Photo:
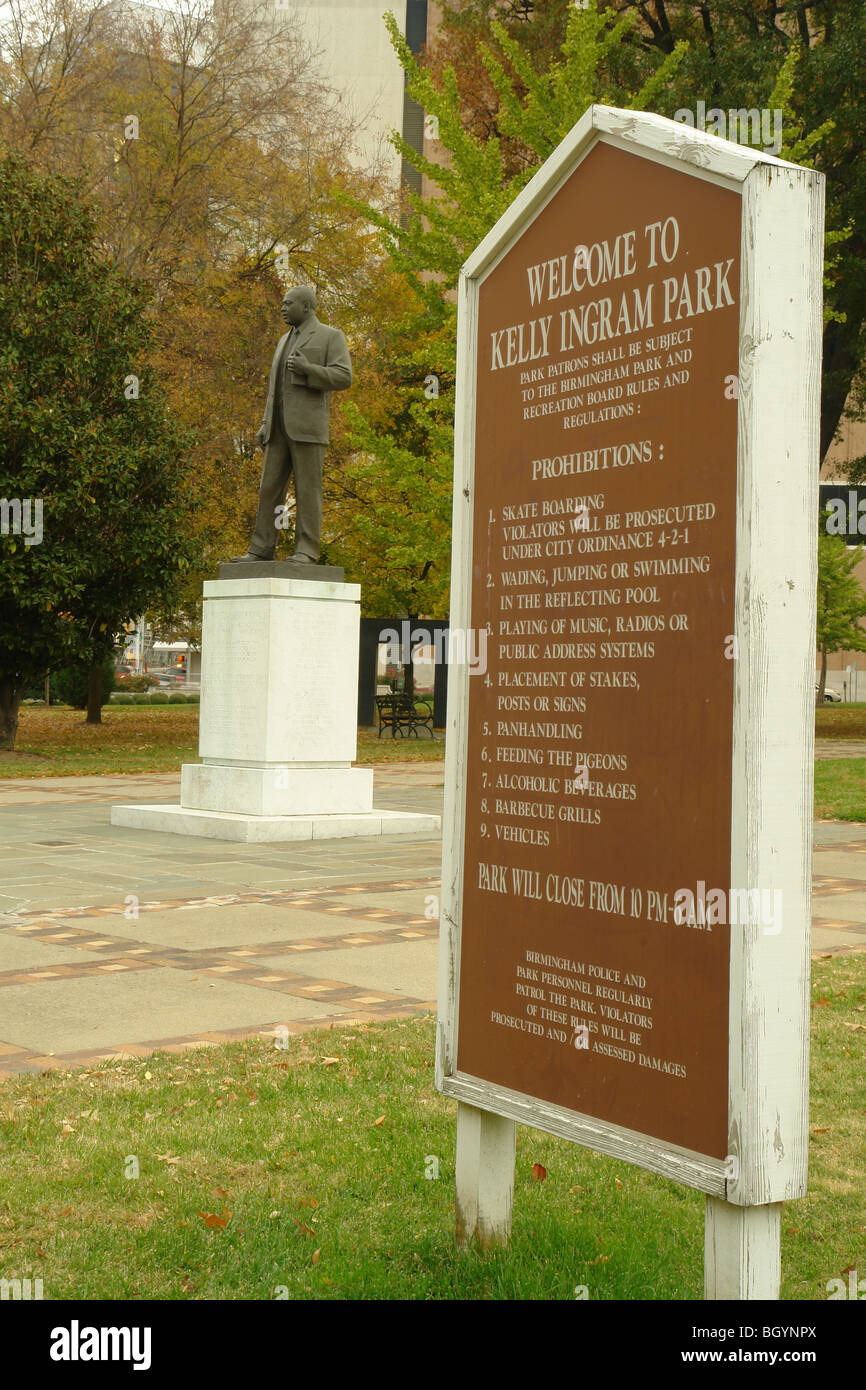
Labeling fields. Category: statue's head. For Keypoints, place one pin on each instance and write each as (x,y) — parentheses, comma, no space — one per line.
(298,304)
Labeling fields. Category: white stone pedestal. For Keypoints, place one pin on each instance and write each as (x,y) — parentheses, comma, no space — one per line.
(278,721)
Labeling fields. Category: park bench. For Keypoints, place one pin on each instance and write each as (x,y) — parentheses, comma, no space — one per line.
(403,714)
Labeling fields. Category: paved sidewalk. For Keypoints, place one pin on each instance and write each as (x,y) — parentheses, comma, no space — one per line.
(117,941)
(840,748)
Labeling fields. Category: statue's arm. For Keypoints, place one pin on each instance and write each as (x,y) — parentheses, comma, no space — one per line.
(336,374)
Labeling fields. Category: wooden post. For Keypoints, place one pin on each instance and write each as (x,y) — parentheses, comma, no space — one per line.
(742,1251)
(484,1176)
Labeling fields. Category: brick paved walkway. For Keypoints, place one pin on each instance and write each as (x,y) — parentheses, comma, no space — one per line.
(118,941)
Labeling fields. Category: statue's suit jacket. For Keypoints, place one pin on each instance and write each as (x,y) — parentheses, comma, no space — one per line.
(307,409)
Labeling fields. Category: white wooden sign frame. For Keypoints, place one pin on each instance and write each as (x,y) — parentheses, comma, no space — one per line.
(771,816)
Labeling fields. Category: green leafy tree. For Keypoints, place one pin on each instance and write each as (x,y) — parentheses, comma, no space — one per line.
(538,79)
(803,59)
(395,512)
(841,602)
(89,446)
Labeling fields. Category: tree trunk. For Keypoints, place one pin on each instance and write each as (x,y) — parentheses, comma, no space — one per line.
(94,695)
(823,681)
(10,701)
(48,687)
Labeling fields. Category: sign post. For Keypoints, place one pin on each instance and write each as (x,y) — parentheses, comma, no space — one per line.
(626,869)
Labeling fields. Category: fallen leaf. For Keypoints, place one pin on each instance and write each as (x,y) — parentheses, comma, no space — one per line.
(215,1223)
(273,1215)
(823,1001)
(576,1188)
(316,1254)
(539,1172)
(148,1076)
(186,1284)
(67,1129)
(331,1061)
(307,1230)
(307,1202)
(167,1158)
(825,1130)
(618,1182)
(380,1121)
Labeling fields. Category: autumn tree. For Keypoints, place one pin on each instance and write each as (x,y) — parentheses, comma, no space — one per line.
(216,153)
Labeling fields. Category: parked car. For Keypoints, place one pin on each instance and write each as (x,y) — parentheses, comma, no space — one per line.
(831,696)
(167,678)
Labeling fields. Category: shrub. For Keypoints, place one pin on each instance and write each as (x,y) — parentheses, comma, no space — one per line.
(122,700)
(131,684)
(177,699)
(70,684)
(158,699)
(36,691)
(139,699)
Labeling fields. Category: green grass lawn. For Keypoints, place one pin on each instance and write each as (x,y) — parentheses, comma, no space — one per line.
(56,742)
(840,789)
(304,1173)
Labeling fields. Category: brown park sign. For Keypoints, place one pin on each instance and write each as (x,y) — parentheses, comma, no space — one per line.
(624,886)
(599,772)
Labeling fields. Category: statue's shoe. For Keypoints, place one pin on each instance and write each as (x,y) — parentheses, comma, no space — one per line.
(244,559)
(303,559)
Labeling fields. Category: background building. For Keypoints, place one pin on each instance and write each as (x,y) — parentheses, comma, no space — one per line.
(356,59)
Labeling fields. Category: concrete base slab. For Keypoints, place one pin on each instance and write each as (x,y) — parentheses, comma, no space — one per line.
(281,569)
(224,825)
(277,791)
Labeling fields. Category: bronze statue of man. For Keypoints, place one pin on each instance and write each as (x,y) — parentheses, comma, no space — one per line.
(310,362)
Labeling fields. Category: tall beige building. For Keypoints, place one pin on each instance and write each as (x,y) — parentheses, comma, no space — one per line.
(355,57)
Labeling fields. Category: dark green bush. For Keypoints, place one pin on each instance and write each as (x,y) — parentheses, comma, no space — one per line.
(158,699)
(122,700)
(70,683)
(36,691)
